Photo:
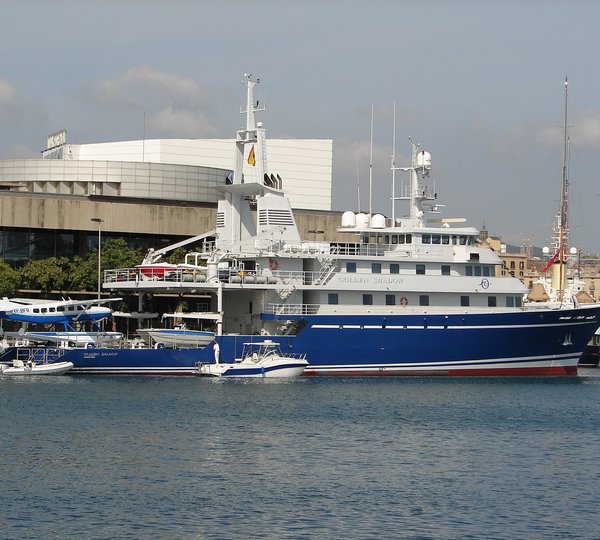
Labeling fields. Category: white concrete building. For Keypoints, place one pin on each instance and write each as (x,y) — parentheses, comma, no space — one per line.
(172,169)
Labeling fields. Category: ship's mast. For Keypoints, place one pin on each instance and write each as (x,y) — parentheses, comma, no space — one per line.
(564,206)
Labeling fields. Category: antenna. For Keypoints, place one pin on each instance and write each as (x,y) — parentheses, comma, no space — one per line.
(371,169)
(357,179)
(394,168)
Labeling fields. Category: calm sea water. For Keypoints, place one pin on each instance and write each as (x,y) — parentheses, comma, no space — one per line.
(129,457)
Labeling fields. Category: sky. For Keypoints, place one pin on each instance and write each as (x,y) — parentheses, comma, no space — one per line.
(477,83)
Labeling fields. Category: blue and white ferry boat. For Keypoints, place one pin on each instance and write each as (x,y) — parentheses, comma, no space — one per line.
(416,295)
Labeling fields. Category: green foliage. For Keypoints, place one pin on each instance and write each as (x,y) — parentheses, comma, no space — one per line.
(115,254)
(45,274)
(9,279)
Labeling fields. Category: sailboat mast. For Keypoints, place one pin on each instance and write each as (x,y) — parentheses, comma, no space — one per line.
(564,206)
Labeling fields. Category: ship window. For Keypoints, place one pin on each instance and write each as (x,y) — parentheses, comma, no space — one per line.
(367,299)
(36,310)
(401,239)
(408,239)
(477,270)
(426,239)
(394,238)
(454,240)
(52,310)
(332,298)
(394,268)
(464,301)
(390,299)
(486,271)
(424,300)
(491,301)
(510,301)
(445,269)
(462,240)
(420,269)
(351,267)
(469,270)
(60,308)
(376,268)
(372,239)
(445,239)
(44,310)
(436,238)
(518,301)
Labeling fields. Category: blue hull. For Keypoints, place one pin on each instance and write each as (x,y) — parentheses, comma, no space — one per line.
(548,342)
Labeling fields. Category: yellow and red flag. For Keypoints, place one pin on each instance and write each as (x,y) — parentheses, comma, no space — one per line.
(252,157)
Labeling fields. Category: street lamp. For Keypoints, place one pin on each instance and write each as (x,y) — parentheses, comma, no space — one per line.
(99,222)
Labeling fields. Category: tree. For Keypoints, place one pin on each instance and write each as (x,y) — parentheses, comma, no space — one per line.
(9,279)
(45,274)
(115,254)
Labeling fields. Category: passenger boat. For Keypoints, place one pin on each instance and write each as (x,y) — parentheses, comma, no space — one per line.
(259,360)
(414,295)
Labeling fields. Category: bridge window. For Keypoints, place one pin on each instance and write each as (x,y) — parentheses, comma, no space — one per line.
(426,239)
(436,238)
(445,239)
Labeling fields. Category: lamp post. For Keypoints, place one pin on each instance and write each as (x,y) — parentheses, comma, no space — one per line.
(99,222)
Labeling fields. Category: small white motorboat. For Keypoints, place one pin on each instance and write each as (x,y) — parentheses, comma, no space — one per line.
(259,359)
(20,368)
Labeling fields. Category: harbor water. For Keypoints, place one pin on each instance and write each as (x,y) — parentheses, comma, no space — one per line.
(135,457)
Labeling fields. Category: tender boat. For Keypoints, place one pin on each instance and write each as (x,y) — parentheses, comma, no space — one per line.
(259,359)
(180,337)
(20,368)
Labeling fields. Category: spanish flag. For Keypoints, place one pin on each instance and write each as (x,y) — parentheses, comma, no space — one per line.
(251,157)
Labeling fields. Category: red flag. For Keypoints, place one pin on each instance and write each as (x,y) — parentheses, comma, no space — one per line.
(550,262)
(251,157)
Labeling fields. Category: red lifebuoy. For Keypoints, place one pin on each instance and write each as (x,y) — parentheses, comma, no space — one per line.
(273,264)
(404,301)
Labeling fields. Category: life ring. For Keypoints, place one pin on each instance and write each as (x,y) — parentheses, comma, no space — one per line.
(273,264)
(404,301)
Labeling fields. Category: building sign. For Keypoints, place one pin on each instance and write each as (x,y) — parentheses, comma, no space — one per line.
(57,139)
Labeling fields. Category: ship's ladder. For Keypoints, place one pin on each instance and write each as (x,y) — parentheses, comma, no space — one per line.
(328,267)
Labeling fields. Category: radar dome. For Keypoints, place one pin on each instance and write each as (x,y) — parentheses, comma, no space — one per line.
(362,220)
(424,159)
(349,219)
(573,251)
(378,221)
(546,250)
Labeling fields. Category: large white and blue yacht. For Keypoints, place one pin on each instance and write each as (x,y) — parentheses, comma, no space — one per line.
(415,295)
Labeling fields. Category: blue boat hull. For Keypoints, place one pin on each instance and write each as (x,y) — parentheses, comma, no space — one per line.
(548,342)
